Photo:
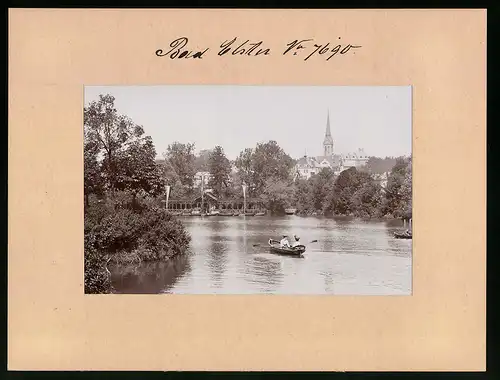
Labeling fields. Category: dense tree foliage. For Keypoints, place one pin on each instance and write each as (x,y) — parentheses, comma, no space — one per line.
(277,195)
(201,160)
(270,162)
(180,159)
(219,168)
(245,166)
(121,181)
(355,192)
(377,165)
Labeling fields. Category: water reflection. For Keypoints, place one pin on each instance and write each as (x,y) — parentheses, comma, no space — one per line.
(217,253)
(263,271)
(231,256)
(152,278)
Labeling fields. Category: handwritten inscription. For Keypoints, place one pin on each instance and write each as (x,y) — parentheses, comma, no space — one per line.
(303,48)
(246,48)
(332,50)
(177,50)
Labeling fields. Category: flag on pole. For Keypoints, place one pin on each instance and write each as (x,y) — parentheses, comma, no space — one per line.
(168,194)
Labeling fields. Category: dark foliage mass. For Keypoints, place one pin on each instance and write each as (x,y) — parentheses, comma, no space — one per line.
(122,181)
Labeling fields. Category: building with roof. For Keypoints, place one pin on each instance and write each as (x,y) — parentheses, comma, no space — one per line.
(307,166)
(355,159)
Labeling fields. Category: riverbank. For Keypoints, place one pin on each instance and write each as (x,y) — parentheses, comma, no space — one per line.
(125,230)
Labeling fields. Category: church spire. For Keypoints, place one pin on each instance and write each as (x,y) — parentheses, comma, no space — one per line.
(328,132)
(328,141)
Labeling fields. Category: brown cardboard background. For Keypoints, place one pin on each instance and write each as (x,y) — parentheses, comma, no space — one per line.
(53,325)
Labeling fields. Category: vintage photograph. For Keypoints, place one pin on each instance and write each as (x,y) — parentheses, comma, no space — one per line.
(248,190)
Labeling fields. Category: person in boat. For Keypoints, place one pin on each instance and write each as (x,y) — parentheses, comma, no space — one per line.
(284,242)
(296,242)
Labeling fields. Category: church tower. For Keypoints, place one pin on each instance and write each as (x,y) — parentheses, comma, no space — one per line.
(328,141)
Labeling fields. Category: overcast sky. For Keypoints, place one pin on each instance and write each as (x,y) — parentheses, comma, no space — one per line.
(377,119)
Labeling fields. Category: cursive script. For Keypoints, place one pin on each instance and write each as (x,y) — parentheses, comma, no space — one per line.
(177,50)
(245,48)
(303,48)
(308,45)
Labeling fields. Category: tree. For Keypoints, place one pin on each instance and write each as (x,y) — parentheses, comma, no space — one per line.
(377,165)
(110,132)
(322,186)
(398,191)
(276,195)
(138,170)
(406,191)
(220,170)
(270,161)
(201,160)
(348,183)
(180,158)
(303,196)
(93,181)
(244,164)
(366,201)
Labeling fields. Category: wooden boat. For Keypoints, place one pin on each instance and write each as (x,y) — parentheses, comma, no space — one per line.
(249,213)
(275,247)
(175,213)
(196,212)
(186,213)
(226,213)
(213,213)
(236,213)
(290,211)
(260,213)
(402,235)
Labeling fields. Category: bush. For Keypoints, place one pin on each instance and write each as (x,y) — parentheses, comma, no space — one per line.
(125,231)
(152,234)
(96,276)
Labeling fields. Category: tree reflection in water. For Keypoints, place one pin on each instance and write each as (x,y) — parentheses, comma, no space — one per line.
(217,253)
(150,277)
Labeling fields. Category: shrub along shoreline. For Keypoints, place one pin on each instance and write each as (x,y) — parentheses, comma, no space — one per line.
(121,230)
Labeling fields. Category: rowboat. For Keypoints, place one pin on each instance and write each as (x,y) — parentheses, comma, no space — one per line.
(290,211)
(402,235)
(226,213)
(196,212)
(249,213)
(275,247)
(213,213)
(186,213)
(260,213)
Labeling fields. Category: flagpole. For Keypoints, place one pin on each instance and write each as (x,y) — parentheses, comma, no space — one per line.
(167,187)
(167,193)
(202,192)
(244,198)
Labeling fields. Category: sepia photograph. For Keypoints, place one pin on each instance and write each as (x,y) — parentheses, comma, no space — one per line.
(215,189)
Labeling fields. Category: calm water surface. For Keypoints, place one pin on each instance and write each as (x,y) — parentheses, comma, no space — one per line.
(229,255)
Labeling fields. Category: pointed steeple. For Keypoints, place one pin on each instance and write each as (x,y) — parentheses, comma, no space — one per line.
(328,131)
(328,141)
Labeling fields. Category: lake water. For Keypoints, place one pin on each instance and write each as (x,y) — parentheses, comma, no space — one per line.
(229,255)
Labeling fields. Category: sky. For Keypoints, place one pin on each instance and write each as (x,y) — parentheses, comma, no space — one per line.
(375,118)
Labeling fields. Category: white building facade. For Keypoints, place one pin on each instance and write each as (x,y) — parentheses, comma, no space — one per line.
(307,166)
